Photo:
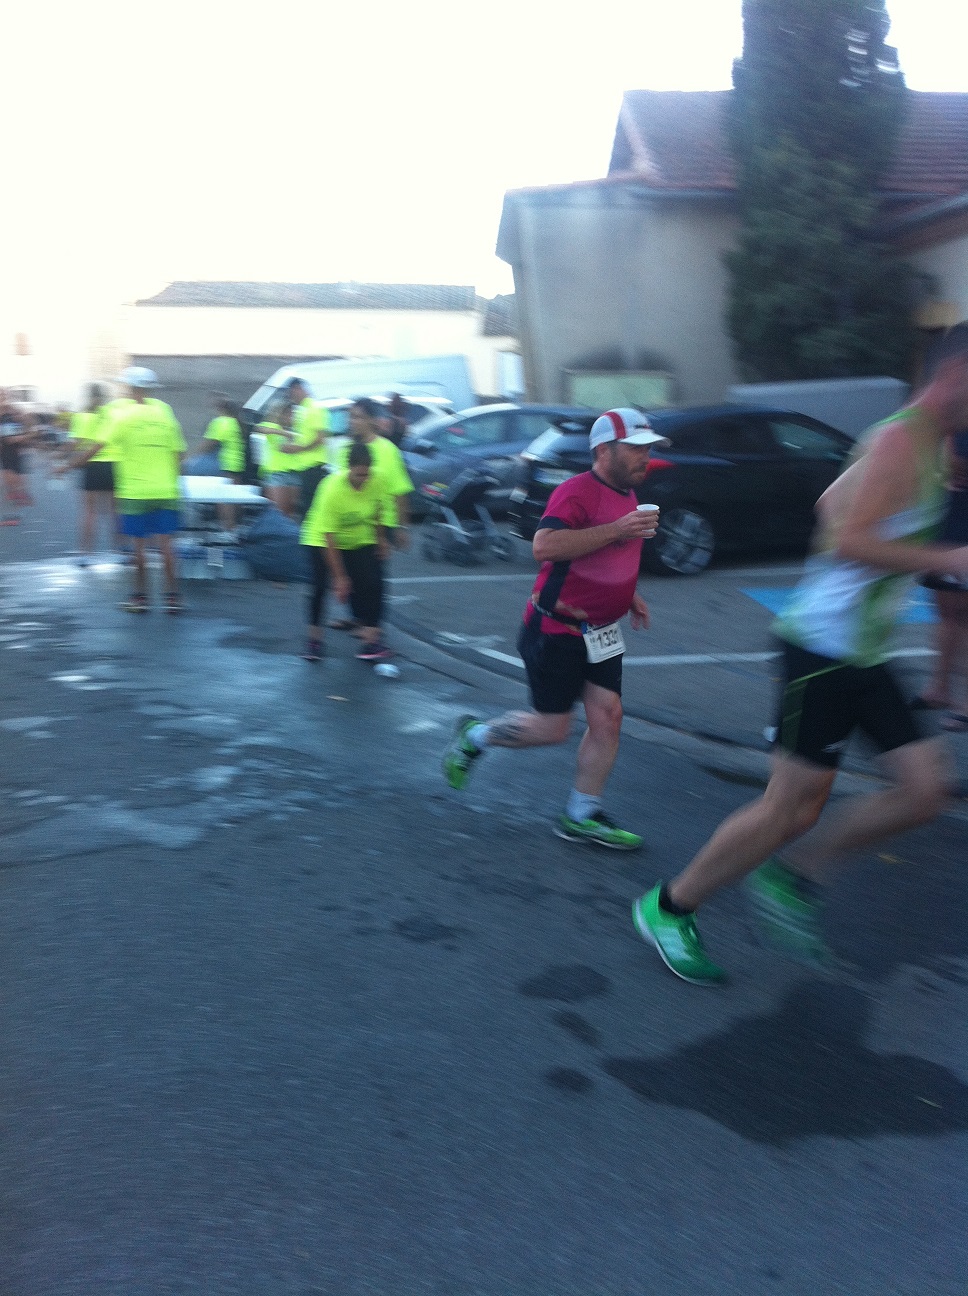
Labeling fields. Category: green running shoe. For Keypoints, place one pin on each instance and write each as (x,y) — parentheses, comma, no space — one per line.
(677,940)
(788,913)
(460,756)
(597,828)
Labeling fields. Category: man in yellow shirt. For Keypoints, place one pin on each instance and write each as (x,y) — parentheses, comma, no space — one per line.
(310,425)
(147,443)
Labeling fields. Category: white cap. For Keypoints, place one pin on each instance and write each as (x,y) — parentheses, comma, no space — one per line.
(136,376)
(628,425)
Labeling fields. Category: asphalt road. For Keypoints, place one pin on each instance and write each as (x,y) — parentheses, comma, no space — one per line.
(284,1014)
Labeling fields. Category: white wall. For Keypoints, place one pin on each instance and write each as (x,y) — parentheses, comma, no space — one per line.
(949,265)
(618,282)
(199,330)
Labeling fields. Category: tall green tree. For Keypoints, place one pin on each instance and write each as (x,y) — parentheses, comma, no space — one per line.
(816,111)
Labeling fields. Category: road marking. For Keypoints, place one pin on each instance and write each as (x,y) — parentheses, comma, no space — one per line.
(698,659)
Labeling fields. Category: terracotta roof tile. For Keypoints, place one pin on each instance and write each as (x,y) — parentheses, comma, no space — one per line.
(674,139)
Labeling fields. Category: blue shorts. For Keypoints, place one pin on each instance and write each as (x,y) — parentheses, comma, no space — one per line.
(156,522)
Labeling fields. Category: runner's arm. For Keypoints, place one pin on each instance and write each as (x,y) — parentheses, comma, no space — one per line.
(91,448)
(562,543)
(872,490)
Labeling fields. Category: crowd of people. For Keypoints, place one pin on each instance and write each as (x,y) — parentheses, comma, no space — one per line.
(877,529)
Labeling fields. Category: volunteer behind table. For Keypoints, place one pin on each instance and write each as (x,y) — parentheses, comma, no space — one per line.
(224,437)
(345,531)
(280,479)
(310,424)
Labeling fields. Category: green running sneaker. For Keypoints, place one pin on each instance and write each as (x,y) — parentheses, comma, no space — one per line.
(677,940)
(597,828)
(788,912)
(460,756)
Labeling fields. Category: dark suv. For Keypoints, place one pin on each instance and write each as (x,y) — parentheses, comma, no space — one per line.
(735,477)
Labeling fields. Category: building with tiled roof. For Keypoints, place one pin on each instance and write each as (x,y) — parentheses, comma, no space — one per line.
(200,335)
(227,294)
(626,272)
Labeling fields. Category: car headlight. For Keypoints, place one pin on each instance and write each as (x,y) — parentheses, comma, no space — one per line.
(552,476)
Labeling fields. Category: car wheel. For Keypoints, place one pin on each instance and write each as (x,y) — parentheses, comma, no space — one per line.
(430,548)
(502,548)
(683,546)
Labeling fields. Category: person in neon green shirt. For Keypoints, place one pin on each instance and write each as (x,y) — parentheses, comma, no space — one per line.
(310,424)
(147,443)
(97,481)
(280,481)
(364,418)
(345,534)
(224,437)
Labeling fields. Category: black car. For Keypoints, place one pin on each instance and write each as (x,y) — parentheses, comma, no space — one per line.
(736,477)
(488,437)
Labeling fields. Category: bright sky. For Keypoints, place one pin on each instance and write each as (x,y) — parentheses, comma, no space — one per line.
(207,139)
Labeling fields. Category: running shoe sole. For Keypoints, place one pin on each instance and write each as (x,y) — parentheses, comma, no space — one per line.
(565,835)
(645,931)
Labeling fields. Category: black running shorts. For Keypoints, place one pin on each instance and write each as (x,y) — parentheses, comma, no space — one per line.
(823,700)
(99,477)
(558,669)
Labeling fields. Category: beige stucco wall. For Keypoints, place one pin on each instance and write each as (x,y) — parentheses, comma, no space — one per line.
(624,282)
(199,330)
(948,263)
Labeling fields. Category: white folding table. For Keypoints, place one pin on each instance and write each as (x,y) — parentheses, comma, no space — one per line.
(199,491)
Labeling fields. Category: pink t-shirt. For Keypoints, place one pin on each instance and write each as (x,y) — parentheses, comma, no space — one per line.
(602,584)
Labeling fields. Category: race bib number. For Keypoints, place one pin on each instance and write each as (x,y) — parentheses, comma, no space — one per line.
(604,642)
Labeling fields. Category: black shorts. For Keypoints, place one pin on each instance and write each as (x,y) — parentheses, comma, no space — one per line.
(10,458)
(823,700)
(558,668)
(365,570)
(98,477)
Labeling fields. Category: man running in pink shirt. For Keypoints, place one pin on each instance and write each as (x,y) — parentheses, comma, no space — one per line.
(589,544)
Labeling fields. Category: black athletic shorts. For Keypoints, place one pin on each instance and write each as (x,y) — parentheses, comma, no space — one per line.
(558,668)
(823,700)
(99,476)
(10,458)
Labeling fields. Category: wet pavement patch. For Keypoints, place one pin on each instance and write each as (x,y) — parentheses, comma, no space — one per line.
(577,1026)
(567,1080)
(568,984)
(423,929)
(802,1071)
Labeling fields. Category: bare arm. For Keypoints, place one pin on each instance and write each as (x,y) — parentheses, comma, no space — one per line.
(553,545)
(91,448)
(874,488)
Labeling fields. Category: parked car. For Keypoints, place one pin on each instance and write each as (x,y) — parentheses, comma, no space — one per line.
(737,477)
(486,436)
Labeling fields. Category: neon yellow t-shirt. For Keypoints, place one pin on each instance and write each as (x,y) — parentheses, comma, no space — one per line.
(146,441)
(387,461)
(351,515)
(273,461)
(308,420)
(94,425)
(226,431)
